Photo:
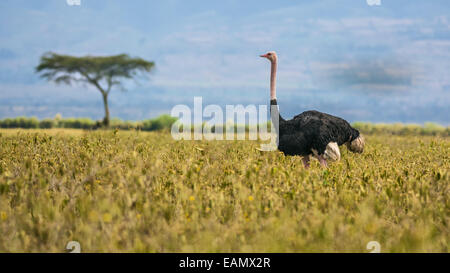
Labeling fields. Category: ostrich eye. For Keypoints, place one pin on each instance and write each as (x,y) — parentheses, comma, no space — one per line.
(269,54)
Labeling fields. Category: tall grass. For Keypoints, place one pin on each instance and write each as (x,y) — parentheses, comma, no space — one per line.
(132,191)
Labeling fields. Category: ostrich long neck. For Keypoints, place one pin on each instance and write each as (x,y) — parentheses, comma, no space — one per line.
(273,80)
(273,91)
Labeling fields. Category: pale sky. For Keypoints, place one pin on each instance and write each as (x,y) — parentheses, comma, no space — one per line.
(387,63)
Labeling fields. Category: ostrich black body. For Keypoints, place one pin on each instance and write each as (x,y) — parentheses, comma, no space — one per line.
(311,130)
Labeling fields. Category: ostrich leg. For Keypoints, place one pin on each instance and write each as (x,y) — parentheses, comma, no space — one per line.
(305,160)
(322,161)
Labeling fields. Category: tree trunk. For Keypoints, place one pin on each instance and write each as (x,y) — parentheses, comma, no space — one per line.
(105,103)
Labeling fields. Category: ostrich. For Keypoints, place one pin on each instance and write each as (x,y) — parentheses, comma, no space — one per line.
(312,132)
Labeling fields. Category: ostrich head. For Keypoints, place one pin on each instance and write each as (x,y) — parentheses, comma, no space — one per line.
(271,56)
(356,145)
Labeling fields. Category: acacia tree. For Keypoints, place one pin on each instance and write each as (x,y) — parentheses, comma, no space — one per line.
(102,72)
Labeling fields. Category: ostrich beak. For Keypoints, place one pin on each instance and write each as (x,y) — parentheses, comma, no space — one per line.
(263,56)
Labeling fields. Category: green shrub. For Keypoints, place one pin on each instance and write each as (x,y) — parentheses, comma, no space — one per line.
(20,122)
(165,122)
(159,123)
(47,123)
(77,123)
(428,128)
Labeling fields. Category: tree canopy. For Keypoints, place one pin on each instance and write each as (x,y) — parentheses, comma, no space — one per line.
(104,72)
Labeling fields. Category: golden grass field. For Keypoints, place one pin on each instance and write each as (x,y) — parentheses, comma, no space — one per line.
(130,191)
